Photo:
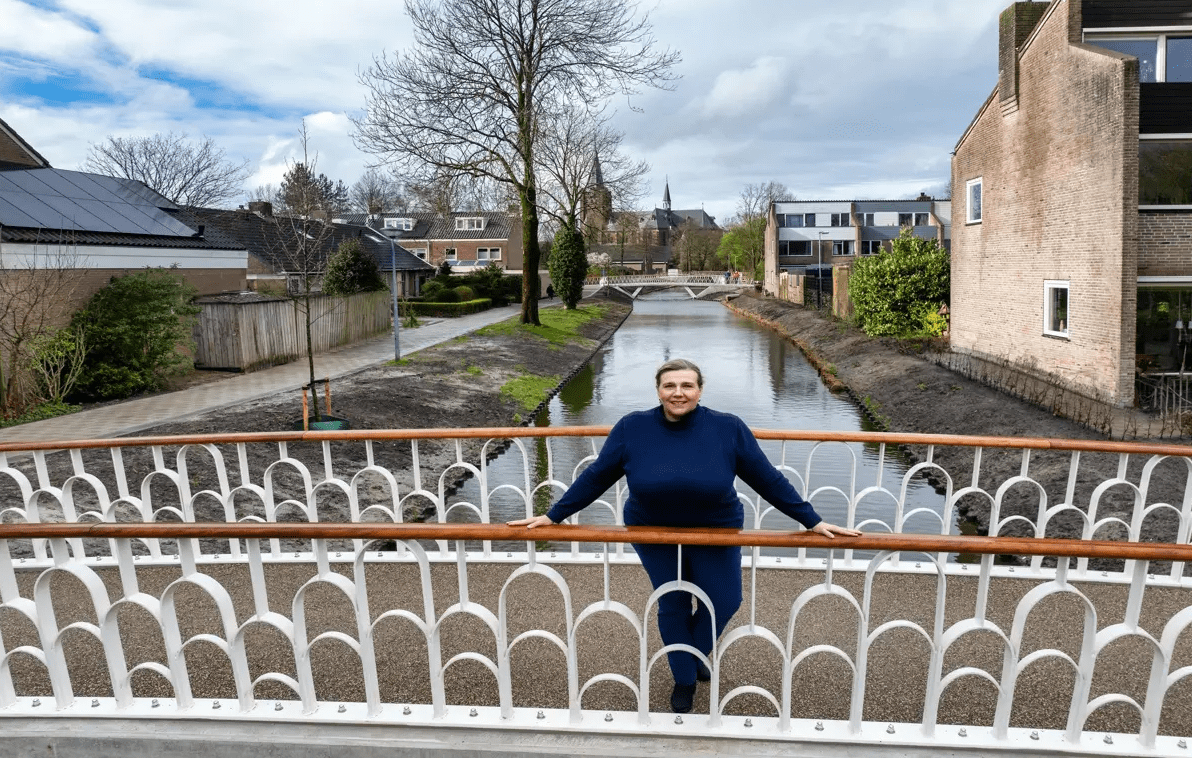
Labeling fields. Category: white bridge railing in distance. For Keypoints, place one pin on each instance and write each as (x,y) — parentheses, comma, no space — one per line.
(256,619)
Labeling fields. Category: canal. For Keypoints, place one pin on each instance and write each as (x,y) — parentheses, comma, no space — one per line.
(748,370)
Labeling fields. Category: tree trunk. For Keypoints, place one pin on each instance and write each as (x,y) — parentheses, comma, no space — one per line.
(310,352)
(528,194)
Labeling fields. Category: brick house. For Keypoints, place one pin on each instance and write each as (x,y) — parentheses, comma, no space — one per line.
(268,240)
(1072,212)
(464,239)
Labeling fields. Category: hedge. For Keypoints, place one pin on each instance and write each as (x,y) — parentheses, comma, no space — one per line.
(446,310)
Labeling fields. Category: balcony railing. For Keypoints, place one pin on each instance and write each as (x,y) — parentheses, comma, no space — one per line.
(270,613)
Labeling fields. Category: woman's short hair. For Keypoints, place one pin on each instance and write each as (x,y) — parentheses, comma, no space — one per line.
(678,364)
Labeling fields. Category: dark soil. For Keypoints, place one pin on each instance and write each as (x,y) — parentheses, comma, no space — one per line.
(903,392)
(455,384)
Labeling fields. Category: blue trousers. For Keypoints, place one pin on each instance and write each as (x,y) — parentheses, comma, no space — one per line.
(715,570)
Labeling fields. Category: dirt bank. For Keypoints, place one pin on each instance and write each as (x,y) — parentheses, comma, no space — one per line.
(456,384)
(902,392)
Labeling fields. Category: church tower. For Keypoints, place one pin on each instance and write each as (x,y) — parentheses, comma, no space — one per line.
(666,202)
(597,205)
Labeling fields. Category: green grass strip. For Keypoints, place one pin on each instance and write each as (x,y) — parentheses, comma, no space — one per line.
(530,390)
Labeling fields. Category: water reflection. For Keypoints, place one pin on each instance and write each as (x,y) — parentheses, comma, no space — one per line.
(748,370)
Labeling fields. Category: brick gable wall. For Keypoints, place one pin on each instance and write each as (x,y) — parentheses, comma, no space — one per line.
(1060,197)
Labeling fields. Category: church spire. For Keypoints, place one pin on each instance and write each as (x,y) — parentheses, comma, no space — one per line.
(597,174)
(666,201)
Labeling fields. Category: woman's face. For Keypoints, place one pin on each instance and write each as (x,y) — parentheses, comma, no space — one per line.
(679,393)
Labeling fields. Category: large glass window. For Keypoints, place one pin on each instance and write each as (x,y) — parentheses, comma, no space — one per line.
(1164,172)
(840,219)
(794,220)
(1164,330)
(842,247)
(1145,50)
(809,219)
(920,219)
(1179,59)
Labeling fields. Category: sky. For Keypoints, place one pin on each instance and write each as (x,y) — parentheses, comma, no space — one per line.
(851,99)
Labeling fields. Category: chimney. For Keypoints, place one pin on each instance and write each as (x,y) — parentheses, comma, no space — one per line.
(199,233)
(1015,25)
(261,207)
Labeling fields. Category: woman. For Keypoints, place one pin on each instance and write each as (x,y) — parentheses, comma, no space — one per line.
(681,461)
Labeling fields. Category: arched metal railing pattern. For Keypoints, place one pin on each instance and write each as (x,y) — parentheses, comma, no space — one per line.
(92,545)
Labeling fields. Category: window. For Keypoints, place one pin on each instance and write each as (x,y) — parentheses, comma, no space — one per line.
(405,224)
(469,224)
(921,219)
(449,254)
(809,219)
(1055,308)
(840,219)
(972,196)
(869,219)
(1164,172)
(1161,57)
(906,219)
(794,220)
(794,247)
(419,251)
(488,253)
(871,247)
(842,247)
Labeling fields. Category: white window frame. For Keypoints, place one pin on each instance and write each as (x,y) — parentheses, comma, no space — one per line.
(419,252)
(488,253)
(969,218)
(404,224)
(1050,286)
(469,223)
(451,254)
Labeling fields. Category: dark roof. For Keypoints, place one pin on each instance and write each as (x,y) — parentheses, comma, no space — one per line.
(54,206)
(266,237)
(432,226)
(661,218)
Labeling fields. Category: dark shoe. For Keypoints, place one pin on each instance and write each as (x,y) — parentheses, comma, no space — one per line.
(701,672)
(682,697)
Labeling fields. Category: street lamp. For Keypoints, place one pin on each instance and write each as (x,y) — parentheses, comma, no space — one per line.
(393,289)
(819,273)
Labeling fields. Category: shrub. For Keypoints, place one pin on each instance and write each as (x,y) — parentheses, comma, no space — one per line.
(568,266)
(465,293)
(447,310)
(350,271)
(133,329)
(445,296)
(898,293)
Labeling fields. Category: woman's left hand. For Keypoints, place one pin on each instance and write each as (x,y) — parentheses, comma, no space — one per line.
(831,530)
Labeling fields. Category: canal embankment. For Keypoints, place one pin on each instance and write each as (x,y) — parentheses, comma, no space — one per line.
(902,391)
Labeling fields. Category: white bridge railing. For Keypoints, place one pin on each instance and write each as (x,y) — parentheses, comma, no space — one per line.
(678,279)
(295,590)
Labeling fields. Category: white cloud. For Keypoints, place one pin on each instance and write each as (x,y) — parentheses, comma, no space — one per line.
(42,34)
(737,92)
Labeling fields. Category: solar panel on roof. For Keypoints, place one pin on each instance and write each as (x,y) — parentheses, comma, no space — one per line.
(10,211)
(74,201)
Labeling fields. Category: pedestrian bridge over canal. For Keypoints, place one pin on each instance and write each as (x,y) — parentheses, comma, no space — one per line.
(697,286)
(243,595)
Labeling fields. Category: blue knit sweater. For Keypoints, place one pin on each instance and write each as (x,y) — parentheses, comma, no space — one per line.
(682,473)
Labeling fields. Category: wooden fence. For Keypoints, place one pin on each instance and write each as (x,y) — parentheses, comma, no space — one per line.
(249,336)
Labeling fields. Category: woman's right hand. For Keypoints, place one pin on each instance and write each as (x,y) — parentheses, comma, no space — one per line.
(530,523)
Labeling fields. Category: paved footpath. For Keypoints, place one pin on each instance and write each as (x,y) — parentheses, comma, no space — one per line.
(131,416)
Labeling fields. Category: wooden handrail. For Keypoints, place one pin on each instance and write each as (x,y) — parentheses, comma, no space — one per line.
(794,435)
(921,543)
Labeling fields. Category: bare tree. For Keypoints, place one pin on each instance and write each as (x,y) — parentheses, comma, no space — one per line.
(302,243)
(264,193)
(470,97)
(756,199)
(187,173)
(576,144)
(38,292)
(696,247)
(376,192)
